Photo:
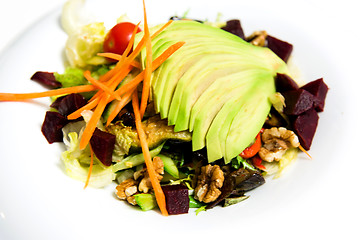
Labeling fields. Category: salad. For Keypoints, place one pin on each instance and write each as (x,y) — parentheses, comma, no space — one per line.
(184,114)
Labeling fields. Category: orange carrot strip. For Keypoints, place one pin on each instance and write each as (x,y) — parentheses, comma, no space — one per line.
(89,106)
(157,62)
(159,194)
(120,105)
(148,66)
(130,85)
(91,125)
(50,93)
(303,150)
(90,167)
(100,85)
(118,57)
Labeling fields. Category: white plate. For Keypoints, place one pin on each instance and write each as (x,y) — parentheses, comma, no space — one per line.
(315,198)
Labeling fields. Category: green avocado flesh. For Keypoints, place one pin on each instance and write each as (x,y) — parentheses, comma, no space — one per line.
(217,86)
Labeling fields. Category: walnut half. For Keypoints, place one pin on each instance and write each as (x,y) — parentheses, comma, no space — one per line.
(275,143)
(126,190)
(209,183)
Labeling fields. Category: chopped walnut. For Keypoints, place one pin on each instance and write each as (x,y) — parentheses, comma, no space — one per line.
(258,38)
(145,183)
(275,143)
(126,190)
(209,182)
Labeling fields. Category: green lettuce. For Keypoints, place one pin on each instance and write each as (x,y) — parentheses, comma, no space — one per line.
(83,45)
(77,162)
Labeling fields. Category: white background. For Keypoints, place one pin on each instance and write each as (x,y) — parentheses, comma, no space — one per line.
(333,209)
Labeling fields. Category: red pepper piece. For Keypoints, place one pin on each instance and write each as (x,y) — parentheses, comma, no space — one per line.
(253,149)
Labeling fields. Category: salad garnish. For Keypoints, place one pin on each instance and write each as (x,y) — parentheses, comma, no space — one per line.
(185,114)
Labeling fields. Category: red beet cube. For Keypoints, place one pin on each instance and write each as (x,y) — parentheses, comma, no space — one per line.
(234,27)
(319,89)
(52,126)
(177,199)
(280,48)
(285,83)
(297,101)
(103,143)
(305,126)
(69,103)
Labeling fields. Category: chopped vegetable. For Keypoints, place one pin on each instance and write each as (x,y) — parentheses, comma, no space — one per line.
(159,194)
(253,149)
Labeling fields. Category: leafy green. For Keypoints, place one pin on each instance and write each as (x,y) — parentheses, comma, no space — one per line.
(238,161)
(83,45)
(77,161)
(200,209)
(71,77)
(135,159)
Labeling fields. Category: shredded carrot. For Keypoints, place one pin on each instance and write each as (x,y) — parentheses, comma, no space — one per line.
(118,57)
(156,63)
(148,66)
(50,93)
(120,105)
(91,125)
(130,85)
(92,104)
(90,167)
(304,151)
(159,194)
(100,85)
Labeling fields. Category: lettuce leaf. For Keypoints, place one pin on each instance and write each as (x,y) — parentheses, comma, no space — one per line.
(77,162)
(82,46)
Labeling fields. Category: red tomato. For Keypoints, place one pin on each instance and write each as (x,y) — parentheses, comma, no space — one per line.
(118,37)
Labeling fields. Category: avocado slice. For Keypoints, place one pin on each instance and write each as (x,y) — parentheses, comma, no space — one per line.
(194,88)
(211,101)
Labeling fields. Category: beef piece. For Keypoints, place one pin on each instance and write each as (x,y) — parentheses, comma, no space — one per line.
(304,126)
(279,47)
(297,101)
(319,89)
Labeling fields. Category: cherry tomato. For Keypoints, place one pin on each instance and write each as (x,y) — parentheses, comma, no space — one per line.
(118,37)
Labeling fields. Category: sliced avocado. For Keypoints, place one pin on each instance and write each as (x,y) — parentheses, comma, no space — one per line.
(212,100)
(208,55)
(219,128)
(256,108)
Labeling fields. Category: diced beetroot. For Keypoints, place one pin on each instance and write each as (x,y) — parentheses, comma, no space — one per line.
(280,48)
(52,126)
(305,126)
(285,83)
(69,103)
(297,101)
(319,89)
(103,143)
(177,199)
(234,27)
(46,79)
